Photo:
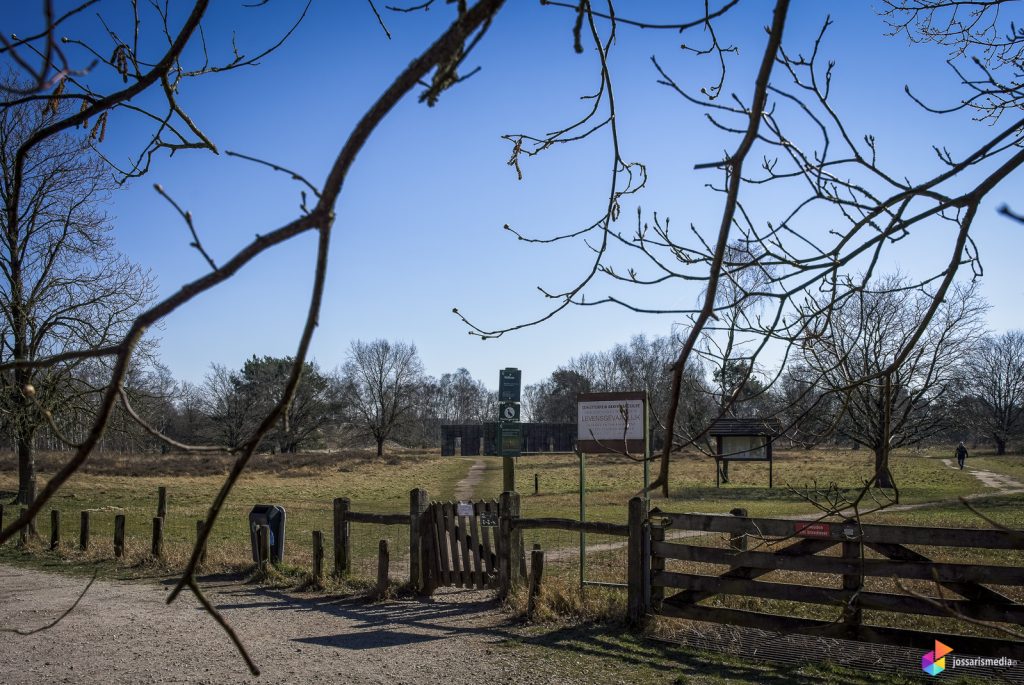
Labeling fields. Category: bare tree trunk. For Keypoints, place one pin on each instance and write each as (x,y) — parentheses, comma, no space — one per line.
(882,480)
(1000,445)
(26,472)
(380,447)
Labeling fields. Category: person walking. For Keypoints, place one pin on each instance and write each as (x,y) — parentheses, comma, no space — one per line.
(961,454)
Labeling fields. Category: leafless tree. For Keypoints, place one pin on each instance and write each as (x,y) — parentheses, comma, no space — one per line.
(381,383)
(833,208)
(54,76)
(909,401)
(64,288)
(996,385)
(783,117)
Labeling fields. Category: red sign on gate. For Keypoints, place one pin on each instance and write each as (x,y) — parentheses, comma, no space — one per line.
(813,530)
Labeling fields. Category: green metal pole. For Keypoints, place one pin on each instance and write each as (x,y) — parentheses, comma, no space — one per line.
(583,517)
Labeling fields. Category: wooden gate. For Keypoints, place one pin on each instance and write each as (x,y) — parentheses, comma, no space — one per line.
(462,544)
(876,552)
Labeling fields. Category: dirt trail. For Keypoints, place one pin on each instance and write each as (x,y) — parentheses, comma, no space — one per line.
(125,633)
(465,489)
(990,478)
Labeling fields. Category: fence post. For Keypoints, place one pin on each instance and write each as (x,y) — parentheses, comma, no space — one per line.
(54,528)
(263,546)
(199,534)
(318,555)
(852,613)
(417,557)
(383,560)
(517,552)
(505,544)
(342,558)
(638,587)
(657,566)
(119,535)
(161,502)
(83,531)
(738,541)
(536,573)
(158,537)
(536,484)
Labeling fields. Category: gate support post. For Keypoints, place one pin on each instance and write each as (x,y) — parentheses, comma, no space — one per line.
(852,583)
(418,562)
(509,543)
(638,573)
(342,558)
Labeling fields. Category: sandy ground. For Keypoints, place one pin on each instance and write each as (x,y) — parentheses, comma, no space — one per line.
(126,633)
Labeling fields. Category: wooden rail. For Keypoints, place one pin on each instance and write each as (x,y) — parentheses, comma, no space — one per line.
(801,542)
(597,527)
(381,519)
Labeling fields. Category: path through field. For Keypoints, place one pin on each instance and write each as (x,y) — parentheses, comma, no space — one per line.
(465,489)
(991,479)
(124,632)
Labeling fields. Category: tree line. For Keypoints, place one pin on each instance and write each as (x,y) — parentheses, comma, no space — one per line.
(380,394)
(963,383)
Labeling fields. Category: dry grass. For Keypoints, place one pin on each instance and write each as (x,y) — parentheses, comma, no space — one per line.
(561,598)
(373,485)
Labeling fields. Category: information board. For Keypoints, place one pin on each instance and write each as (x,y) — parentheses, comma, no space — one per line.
(610,422)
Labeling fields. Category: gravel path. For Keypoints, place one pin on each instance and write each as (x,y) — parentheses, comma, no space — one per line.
(125,633)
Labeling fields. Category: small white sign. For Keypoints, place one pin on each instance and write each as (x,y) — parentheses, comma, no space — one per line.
(604,420)
(464,509)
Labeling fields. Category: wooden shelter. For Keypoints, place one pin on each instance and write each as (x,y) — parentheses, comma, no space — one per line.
(743,440)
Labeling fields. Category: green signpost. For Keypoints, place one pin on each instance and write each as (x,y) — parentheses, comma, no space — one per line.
(510,435)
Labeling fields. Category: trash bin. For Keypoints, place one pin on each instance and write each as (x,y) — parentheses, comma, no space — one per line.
(271,515)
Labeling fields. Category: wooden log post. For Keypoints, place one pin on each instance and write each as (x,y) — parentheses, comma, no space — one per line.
(517,550)
(54,528)
(318,555)
(536,483)
(657,566)
(157,548)
(23,533)
(418,502)
(200,524)
(119,535)
(638,586)
(383,562)
(536,574)
(342,550)
(161,502)
(738,541)
(83,531)
(263,547)
(505,544)
(852,583)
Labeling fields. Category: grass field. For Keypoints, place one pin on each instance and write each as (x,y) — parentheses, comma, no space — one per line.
(373,485)
(307,484)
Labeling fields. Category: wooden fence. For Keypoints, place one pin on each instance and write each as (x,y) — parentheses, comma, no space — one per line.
(865,552)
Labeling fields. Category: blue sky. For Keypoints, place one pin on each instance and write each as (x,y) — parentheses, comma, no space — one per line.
(419,222)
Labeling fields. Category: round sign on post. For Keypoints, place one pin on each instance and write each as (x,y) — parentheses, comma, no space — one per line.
(509,411)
